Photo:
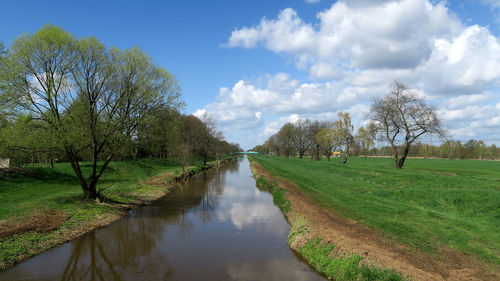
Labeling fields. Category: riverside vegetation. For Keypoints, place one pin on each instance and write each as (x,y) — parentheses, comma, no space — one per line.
(317,253)
(429,205)
(43,207)
(82,128)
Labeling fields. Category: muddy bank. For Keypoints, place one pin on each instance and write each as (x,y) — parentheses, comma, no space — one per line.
(309,221)
(59,228)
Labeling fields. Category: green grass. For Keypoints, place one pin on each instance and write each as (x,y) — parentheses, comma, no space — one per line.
(279,194)
(346,268)
(427,204)
(58,189)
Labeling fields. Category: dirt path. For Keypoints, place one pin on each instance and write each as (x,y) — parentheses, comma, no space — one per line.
(353,238)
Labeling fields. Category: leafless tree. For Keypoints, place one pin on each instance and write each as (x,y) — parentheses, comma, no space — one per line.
(274,144)
(402,116)
(208,135)
(285,139)
(302,139)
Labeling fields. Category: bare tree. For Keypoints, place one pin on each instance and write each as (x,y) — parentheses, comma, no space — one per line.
(274,144)
(208,135)
(285,139)
(302,139)
(402,117)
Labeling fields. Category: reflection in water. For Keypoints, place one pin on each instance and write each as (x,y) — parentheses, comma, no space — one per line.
(266,270)
(218,226)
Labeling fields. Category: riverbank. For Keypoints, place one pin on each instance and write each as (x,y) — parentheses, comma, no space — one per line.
(353,240)
(43,208)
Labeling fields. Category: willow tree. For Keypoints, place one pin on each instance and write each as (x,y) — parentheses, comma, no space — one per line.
(401,117)
(93,98)
(344,129)
(329,139)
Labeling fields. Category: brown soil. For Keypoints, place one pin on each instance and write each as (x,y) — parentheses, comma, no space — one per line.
(41,221)
(161,180)
(350,237)
(6,173)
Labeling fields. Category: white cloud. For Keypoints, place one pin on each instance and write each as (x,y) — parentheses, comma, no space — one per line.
(312,1)
(396,34)
(411,40)
(354,51)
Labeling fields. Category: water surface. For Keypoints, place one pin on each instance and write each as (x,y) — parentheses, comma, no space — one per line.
(218,226)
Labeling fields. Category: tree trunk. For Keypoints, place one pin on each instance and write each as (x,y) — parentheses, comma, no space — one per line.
(346,155)
(87,193)
(205,155)
(396,161)
(400,163)
(51,159)
(317,153)
(92,190)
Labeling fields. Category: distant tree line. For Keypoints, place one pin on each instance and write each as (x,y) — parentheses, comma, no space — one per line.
(397,119)
(74,100)
(364,145)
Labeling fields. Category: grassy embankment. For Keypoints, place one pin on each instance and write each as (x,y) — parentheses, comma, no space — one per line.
(426,205)
(317,253)
(43,207)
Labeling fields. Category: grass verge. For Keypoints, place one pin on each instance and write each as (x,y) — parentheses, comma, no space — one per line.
(349,268)
(427,205)
(321,256)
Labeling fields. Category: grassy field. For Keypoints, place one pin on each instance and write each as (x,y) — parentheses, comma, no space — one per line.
(41,196)
(427,204)
(59,189)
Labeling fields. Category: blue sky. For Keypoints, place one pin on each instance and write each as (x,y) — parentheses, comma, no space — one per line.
(228,55)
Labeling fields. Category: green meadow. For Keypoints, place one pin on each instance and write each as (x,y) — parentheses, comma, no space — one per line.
(427,204)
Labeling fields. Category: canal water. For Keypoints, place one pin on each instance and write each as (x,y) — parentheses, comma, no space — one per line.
(218,226)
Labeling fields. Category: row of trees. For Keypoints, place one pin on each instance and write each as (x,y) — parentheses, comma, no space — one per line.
(450,149)
(399,119)
(316,137)
(75,99)
(365,146)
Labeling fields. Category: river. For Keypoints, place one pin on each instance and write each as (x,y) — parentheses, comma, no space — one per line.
(217,226)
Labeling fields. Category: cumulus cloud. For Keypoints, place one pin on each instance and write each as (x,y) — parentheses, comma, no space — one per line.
(410,40)
(368,34)
(353,52)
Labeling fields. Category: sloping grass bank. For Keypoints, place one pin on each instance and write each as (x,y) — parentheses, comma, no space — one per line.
(318,254)
(428,204)
(43,207)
